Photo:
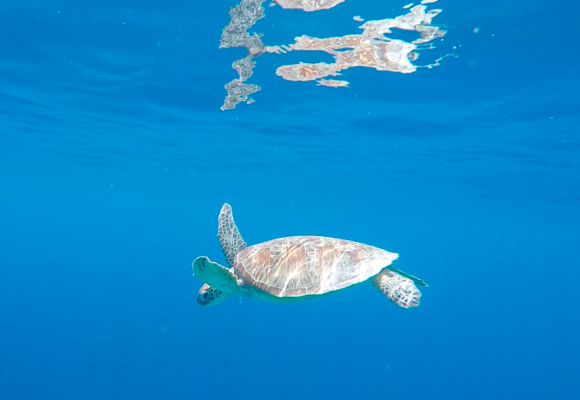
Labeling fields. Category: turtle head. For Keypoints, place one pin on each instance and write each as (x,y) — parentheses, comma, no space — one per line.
(218,281)
(209,296)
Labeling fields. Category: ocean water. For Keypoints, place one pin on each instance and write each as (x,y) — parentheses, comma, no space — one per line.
(115,159)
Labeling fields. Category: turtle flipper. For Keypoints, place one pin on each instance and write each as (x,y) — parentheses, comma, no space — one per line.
(228,234)
(209,296)
(418,281)
(398,288)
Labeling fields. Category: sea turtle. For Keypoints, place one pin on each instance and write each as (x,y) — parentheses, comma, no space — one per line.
(298,267)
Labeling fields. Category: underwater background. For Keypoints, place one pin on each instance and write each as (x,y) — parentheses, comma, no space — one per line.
(115,160)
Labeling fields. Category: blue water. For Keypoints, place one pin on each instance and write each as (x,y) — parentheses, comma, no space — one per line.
(115,160)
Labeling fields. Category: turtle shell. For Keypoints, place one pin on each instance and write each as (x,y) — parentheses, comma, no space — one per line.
(305,265)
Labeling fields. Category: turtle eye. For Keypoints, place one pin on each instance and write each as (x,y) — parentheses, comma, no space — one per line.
(203,298)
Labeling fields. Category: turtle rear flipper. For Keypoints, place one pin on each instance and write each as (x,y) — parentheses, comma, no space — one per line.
(229,235)
(398,288)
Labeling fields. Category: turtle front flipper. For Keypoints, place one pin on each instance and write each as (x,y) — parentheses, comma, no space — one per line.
(229,235)
(398,288)
(209,296)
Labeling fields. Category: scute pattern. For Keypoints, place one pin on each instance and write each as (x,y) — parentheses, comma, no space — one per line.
(228,234)
(304,265)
